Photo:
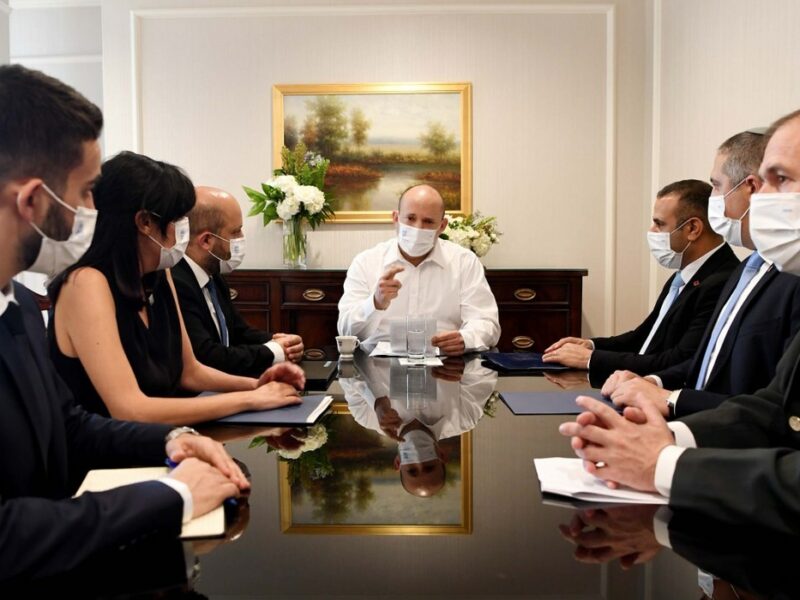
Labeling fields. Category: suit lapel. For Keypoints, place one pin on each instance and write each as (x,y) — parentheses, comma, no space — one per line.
(200,299)
(34,405)
(729,344)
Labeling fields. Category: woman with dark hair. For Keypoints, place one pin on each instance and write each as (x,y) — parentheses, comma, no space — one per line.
(117,336)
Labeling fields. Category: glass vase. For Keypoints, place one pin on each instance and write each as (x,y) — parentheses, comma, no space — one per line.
(294,244)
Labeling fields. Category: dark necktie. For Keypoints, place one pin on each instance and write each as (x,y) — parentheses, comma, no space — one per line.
(223,326)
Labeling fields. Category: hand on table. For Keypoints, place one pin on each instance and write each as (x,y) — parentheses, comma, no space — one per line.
(575,356)
(450,343)
(638,391)
(284,372)
(189,446)
(292,345)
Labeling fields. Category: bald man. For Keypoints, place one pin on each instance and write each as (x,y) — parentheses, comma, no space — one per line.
(220,336)
(418,274)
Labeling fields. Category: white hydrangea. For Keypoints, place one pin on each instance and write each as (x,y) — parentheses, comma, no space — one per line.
(458,236)
(312,198)
(482,244)
(288,207)
(285,183)
(316,437)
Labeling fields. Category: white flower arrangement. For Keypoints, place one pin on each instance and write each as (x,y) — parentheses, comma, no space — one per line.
(316,437)
(473,232)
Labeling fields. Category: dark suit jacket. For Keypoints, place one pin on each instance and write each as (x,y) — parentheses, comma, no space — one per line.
(756,340)
(760,480)
(47,444)
(246,353)
(679,333)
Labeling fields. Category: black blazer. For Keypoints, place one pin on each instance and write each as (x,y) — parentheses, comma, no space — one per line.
(756,340)
(680,332)
(246,354)
(47,444)
(760,480)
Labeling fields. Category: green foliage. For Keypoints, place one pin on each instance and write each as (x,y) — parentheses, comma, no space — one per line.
(325,129)
(437,140)
(359,125)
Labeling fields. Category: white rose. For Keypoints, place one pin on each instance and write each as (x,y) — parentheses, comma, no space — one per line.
(481,244)
(288,207)
(290,454)
(285,183)
(311,197)
(460,237)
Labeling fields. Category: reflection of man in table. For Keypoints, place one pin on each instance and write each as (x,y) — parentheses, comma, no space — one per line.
(448,408)
(417,273)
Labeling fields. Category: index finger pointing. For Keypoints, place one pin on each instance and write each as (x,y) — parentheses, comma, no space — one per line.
(392,271)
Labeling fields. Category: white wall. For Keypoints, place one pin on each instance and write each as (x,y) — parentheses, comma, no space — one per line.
(552,105)
(726,66)
(4,43)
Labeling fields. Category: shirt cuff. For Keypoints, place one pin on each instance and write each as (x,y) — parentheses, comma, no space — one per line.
(661,520)
(186,495)
(591,342)
(655,379)
(665,468)
(683,435)
(277,351)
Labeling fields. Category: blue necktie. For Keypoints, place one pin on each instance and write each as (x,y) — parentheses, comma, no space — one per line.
(223,326)
(674,289)
(751,268)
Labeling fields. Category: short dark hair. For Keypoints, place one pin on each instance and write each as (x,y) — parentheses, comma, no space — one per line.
(692,198)
(780,123)
(743,155)
(128,183)
(206,217)
(43,125)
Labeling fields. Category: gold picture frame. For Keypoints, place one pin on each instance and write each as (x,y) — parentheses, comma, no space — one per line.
(464,526)
(368,173)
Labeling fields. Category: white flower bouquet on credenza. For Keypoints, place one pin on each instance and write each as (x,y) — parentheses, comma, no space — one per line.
(473,232)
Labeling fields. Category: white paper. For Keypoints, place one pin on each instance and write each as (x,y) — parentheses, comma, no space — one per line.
(430,361)
(100,480)
(385,349)
(567,477)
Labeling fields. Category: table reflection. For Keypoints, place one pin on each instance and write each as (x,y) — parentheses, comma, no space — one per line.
(733,561)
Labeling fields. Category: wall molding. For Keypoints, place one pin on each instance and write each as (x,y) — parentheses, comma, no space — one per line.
(39,4)
(139,16)
(655,136)
(63,59)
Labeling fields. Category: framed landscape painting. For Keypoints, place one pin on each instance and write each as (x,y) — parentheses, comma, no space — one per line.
(350,485)
(381,138)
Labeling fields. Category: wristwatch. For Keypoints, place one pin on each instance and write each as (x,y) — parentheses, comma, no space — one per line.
(179,431)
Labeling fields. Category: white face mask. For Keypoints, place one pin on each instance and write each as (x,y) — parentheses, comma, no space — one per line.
(728,228)
(237,254)
(170,257)
(774,227)
(414,241)
(56,255)
(660,248)
(418,447)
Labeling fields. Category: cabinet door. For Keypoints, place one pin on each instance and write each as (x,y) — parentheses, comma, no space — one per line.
(310,308)
(531,330)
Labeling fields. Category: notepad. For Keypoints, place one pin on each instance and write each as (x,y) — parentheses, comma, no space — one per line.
(211,524)
(520,362)
(550,403)
(306,413)
(567,477)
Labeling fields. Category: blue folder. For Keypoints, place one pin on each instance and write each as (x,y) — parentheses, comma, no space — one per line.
(520,362)
(298,415)
(550,403)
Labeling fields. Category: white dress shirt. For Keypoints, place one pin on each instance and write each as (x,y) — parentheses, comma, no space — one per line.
(450,285)
(202,280)
(668,457)
(7,297)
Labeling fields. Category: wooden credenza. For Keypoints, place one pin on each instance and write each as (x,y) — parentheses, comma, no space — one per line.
(537,306)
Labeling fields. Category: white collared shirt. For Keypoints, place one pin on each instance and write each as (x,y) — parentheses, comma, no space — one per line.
(450,285)
(6,298)
(202,280)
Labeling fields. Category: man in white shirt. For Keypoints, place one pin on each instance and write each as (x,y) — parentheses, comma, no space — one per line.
(756,317)
(738,462)
(418,274)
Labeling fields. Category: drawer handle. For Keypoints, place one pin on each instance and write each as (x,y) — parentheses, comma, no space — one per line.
(522,342)
(524,294)
(314,354)
(234,294)
(314,295)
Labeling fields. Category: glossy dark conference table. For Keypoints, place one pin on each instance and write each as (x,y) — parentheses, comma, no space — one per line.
(337,522)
